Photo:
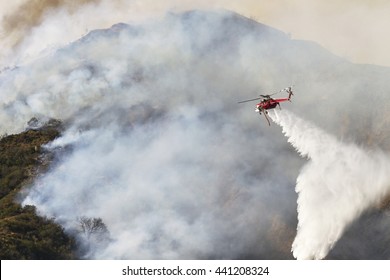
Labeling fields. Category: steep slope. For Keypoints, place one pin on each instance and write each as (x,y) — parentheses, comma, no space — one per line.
(24,234)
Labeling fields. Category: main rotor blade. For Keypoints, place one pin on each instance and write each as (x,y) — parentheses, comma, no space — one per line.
(249,100)
(268,95)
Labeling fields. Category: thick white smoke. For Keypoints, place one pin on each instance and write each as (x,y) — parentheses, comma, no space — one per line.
(155,142)
(338,183)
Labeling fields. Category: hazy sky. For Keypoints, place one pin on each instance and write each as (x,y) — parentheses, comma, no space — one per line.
(354,29)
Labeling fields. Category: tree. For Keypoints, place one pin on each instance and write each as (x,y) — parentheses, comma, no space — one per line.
(93,227)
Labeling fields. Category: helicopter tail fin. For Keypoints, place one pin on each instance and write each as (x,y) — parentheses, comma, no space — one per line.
(290,93)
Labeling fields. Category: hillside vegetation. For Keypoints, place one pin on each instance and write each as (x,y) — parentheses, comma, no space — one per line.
(23,234)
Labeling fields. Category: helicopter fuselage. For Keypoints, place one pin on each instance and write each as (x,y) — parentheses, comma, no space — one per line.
(269,104)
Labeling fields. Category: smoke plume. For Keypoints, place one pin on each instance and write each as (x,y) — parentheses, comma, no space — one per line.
(154,142)
(32,13)
(28,27)
(338,183)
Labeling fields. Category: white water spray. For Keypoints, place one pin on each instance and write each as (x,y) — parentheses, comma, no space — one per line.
(338,183)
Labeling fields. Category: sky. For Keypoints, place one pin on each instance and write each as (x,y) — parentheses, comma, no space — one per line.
(353,29)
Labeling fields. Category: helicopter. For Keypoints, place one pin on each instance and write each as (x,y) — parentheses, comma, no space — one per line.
(269,103)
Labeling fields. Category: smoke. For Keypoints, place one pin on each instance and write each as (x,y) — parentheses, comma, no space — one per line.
(352,29)
(339,182)
(31,13)
(27,27)
(172,189)
(155,144)
(33,29)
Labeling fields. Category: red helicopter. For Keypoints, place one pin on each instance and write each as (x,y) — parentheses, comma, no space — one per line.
(270,103)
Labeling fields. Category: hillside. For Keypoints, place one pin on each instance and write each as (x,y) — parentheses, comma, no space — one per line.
(24,234)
